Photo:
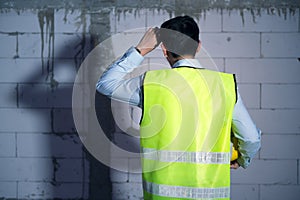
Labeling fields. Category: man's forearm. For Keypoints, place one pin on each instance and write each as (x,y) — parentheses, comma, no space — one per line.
(246,133)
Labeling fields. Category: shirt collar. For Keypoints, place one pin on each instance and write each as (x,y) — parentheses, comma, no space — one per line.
(188,63)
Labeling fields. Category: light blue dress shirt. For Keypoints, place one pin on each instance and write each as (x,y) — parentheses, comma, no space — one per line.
(115,85)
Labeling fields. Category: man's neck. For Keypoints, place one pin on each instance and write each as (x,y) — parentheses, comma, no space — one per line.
(173,60)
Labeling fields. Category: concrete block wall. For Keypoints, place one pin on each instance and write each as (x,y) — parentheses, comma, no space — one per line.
(41,155)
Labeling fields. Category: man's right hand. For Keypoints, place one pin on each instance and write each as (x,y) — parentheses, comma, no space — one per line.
(234,165)
(148,42)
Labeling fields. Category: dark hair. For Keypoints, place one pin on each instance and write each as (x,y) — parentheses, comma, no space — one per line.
(176,41)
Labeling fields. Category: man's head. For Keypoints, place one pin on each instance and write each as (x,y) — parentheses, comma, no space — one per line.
(180,37)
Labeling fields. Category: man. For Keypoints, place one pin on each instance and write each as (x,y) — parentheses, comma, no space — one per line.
(189,114)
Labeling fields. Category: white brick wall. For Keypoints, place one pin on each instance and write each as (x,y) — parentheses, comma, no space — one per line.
(271,22)
(122,191)
(33,145)
(278,121)
(47,97)
(280,96)
(278,192)
(239,191)
(280,45)
(40,190)
(26,169)
(231,45)
(8,189)
(274,172)
(40,153)
(27,120)
(264,70)
(283,146)
(250,94)
(21,70)
(7,145)
(10,42)
(8,95)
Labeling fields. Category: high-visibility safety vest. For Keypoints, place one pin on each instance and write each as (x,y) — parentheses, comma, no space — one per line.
(185,133)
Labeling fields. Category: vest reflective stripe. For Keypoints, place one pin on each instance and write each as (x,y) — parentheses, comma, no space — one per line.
(187,157)
(185,133)
(186,192)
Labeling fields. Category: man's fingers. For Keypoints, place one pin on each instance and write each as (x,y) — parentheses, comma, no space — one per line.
(234,165)
(148,42)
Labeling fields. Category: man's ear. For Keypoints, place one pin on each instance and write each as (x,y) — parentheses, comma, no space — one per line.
(199,47)
(164,49)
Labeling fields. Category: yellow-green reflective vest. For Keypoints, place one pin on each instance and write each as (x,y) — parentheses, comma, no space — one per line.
(185,133)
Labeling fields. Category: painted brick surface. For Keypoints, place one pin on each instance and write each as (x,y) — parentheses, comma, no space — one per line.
(277,121)
(40,154)
(210,21)
(61,46)
(127,191)
(63,120)
(7,145)
(280,147)
(280,45)
(8,190)
(275,172)
(135,178)
(25,21)
(123,41)
(67,21)
(117,176)
(125,24)
(278,192)
(135,164)
(65,70)
(235,21)
(127,142)
(154,18)
(8,95)
(26,169)
(264,70)
(250,95)
(30,46)
(280,96)
(10,43)
(28,120)
(45,96)
(231,44)
(70,170)
(246,192)
(46,190)
(33,145)
(121,162)
(21,71)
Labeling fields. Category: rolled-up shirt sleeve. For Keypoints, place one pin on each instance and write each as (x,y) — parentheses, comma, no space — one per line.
(113,82)
(246,133)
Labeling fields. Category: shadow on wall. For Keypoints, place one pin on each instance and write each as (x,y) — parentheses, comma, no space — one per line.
(74,173)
